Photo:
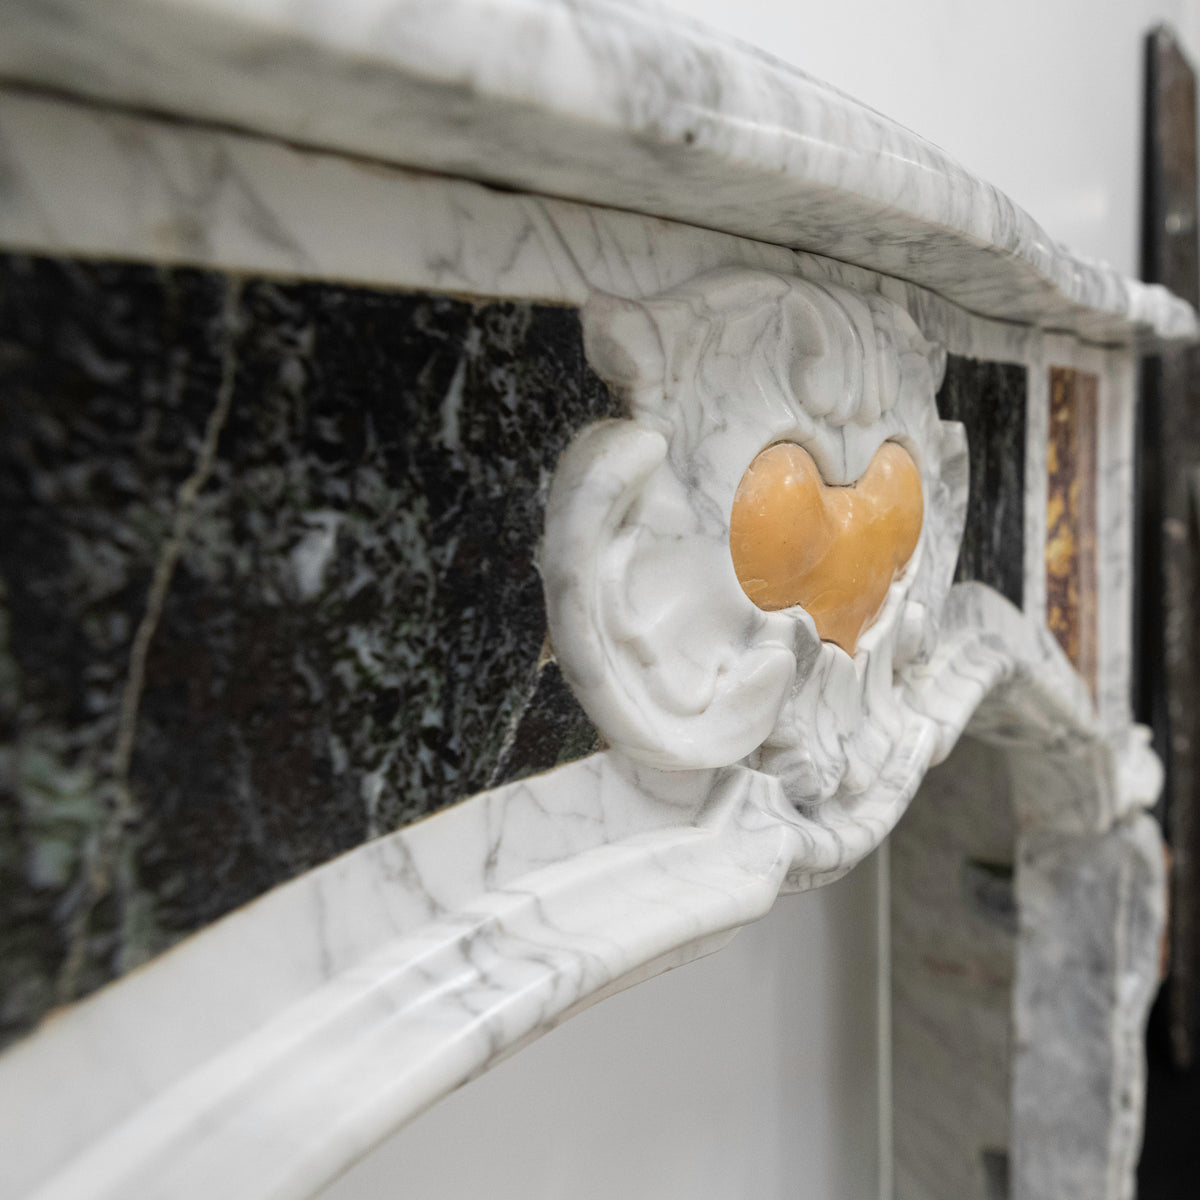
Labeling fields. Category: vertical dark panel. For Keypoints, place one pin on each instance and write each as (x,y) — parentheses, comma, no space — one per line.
(1166,638)
(989,399)
(1168,666)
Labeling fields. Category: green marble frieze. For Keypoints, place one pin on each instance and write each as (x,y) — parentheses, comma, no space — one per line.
(268,588)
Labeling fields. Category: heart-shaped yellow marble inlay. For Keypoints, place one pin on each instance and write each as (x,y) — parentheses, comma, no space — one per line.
(833,550)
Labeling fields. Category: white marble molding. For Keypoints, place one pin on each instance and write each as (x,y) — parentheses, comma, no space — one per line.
(615,103)
(323,1016)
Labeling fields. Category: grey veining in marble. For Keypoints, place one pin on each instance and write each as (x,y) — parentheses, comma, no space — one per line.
(621,104)
(1024,961)
(94,182)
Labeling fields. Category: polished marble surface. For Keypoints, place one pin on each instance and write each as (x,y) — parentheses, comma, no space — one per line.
(106,184)
(743,756)
(953,914)
(623,105)
(340,1005)
(834,551)
(667,653)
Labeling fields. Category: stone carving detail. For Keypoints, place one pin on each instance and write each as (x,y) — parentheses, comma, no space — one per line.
(747,757)
(821,752)
(670,657)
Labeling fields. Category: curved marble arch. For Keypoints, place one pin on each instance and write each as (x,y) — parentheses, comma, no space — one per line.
(340,1006)
(323,1016)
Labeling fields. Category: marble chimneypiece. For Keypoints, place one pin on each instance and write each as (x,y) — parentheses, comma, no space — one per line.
(271,584)
(268,559)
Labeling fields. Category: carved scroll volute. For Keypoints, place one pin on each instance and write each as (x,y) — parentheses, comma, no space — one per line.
(674,662)
(650,626)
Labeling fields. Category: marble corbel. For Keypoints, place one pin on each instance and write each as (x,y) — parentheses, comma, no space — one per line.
(677,666)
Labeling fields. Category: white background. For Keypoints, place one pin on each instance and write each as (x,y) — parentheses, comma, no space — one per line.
(1041,97)
(755,1073)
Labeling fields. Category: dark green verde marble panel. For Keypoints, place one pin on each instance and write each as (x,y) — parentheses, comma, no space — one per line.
(989,398)
(267,560)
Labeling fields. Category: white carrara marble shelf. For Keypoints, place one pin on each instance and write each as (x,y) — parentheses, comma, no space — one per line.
(614,103)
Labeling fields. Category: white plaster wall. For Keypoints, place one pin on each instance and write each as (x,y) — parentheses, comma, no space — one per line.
(755,1073)
(747,1074)
(1041,97)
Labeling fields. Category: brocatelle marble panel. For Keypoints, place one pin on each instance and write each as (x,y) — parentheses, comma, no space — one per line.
(1072,579)
(337,615)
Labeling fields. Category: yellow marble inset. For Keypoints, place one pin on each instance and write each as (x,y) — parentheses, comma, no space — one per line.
(832,550)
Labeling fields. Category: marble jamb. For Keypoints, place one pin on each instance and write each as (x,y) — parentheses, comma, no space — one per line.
(1090,912)
(953,920)
(622,105)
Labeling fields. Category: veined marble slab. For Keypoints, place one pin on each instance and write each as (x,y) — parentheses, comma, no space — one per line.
(265,1054)
(326,1014)
(612,103)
